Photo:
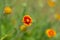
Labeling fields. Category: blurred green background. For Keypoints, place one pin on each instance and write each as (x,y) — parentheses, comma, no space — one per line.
(41,14)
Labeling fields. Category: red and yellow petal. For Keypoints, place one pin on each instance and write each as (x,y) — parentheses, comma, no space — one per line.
(50,33)
(27,20)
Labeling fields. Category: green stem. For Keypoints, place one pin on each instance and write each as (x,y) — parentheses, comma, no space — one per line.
(3,37)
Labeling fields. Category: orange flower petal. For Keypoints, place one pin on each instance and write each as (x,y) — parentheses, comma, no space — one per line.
(50,33)
(51,3)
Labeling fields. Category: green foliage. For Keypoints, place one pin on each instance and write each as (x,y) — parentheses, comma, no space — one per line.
(41,15)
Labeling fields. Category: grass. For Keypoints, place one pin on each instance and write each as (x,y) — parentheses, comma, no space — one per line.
(41,14)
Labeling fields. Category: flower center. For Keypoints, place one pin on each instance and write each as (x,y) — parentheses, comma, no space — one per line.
(51,33)
(27,20)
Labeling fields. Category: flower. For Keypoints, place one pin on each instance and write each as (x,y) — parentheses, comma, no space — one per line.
(23,28)
(27,20)
(7,10)
(57,16)
(50,33)
(51,3)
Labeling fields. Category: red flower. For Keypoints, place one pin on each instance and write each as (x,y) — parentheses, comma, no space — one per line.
(27,20)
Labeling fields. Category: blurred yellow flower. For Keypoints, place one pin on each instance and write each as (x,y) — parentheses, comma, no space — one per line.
(7,10)
(27,20)
(23,28)
(51,3)
(50,33)
(57,16)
